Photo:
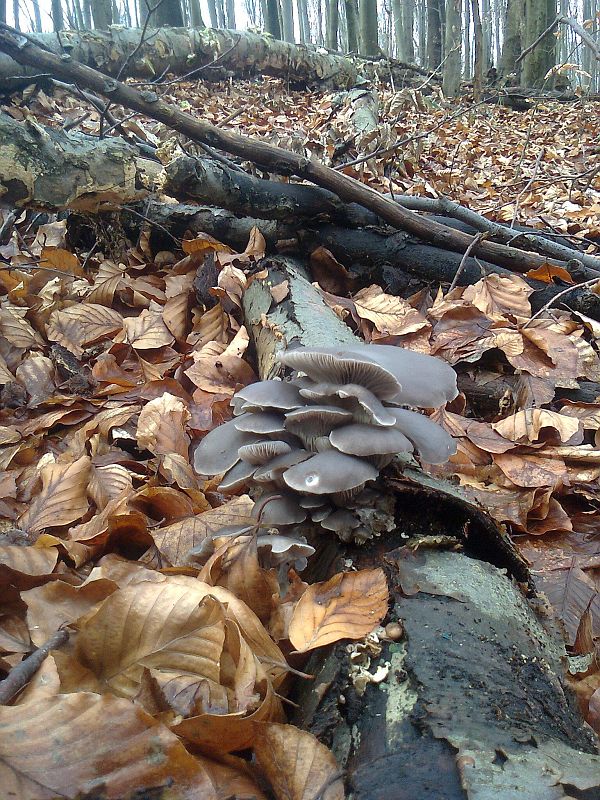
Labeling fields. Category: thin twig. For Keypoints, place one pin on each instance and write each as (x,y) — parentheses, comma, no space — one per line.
(20,675)
(476,239)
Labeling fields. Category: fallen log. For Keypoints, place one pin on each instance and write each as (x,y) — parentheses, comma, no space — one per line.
(198,52)
(470,702)
(272,158)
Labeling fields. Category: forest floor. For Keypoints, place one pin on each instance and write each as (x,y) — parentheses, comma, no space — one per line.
(109,422)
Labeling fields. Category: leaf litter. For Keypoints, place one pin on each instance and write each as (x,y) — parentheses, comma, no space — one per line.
(110,367)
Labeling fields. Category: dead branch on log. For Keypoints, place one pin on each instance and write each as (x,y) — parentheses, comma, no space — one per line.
(272,158)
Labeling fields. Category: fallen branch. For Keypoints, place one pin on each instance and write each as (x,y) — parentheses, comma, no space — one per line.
(20,675)
(272,158)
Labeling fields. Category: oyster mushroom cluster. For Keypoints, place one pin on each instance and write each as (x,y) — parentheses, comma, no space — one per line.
(308,446)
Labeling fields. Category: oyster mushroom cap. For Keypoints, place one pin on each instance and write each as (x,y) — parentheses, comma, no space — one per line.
(366,406)
(340,520)
(261,422)
(368,440)
(329,473)
(279,509)
(392,373)
(218,451)
(431,441)
(262,452)
(281,549)
(238,477)
(272,471)
(317,420)
(278,395)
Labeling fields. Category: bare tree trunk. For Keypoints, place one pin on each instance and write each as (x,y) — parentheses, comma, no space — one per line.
(230,14)
(422,5)
(369,34)
(452,64)
(351,9)
(272,21)
(467,41)
(539,15)
(196,14)
(168,13)
(479,62)
(57,15)
(513,40)
(36,15)
(102,13)
(212,13)
(486,28)
(16,15)
(333,22)
(304,23)
(287,18)
(408,26)
(434,33)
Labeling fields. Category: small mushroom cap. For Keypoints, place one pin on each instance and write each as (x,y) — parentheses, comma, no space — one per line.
(264,395)
(328,473)
(218,451)
(261,422)
(284,549)
(366,406)
(237,477)
(368,440)
(340,520)
(431,441)
(260,453)
(273,470)
(279,509)
(321,513)
(316,419)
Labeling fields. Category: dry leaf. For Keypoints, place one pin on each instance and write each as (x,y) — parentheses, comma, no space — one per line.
(347,606)
(161,426)
(63,496)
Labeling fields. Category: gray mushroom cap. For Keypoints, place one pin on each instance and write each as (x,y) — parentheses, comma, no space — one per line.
(310,423)
(431,441)
(366,406)
(368,440)
(278,395)
(237,477)
(262,422)
(260,453)
(272,471)
(340,520)
(284,549)
(392,373)
(279,509)
(218,451)
(329,473)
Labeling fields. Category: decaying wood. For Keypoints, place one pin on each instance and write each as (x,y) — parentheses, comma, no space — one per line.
(54,170)
(181,51)
(470,703)
(271,158)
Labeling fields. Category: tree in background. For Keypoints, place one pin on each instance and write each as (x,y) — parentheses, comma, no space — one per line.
(435,13)
(333,23)
(539,15)
(369,34)
(453,43)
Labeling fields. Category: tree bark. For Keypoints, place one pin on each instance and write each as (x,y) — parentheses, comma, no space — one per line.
(57,15)
(102,14)
(479,673)
(351,9)
(434,33)
(333,23)
(272,22)
(369,38)
(287,18)
(539,15)
(452,64)
(168,13)
(196,14)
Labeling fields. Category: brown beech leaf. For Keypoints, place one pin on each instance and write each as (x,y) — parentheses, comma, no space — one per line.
(296,764)
(36,374)
(147,331)
(547,272)
(6,375)
(82,325)
(204,243)
(175,541)
(527,425)
(107,483)
(530,471)
(331,276)
(161,426)
(63,496)
(26,566)
(162,626)
(500,295)
(18,331)
(389,314)
(81,743)
(58,603)
(347,606)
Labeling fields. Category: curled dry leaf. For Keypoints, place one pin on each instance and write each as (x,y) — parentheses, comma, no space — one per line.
(161,426)
(36,375)
(24,566)
(97,743)
(62,499)
(500,295)
(526,426)
(296,764)
(147,331)
(347,606)
(17,330)
(389,314)
(107,483)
